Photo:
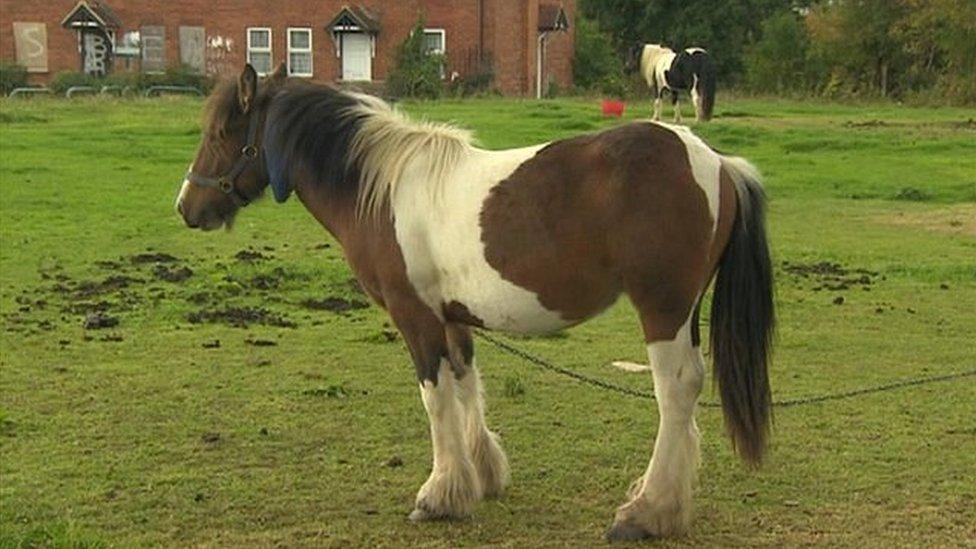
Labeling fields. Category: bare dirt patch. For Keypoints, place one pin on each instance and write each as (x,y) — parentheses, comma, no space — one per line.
(832,277)
(956,219)
(334,304)
(240,317)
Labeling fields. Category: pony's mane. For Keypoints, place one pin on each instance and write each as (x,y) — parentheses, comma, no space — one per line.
(221,107)
(354,142)
(388,144)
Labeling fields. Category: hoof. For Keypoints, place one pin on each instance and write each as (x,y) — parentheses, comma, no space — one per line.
(423,515)
(627,532)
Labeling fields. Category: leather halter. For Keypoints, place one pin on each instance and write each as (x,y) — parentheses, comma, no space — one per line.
(227,183)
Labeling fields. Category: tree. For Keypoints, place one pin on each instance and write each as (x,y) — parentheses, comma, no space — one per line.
(596,65)
(778,61)
(723,27)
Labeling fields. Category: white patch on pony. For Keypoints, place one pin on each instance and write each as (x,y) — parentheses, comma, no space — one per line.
(695,96)
(453,487)
(661,497)
(440,238)
(695,50)
(183,188)
(486,451)
(706,166)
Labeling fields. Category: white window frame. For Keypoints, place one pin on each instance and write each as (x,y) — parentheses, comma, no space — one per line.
(443,33)
(267,50)
(309,51)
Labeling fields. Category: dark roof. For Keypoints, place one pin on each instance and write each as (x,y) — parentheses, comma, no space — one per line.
(552,17)
(85,13)
(354,16)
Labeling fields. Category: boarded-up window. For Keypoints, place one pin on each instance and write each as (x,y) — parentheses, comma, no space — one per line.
(192,47)
(30,41)
(153,48)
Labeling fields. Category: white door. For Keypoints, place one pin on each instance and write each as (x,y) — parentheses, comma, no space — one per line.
(357,63)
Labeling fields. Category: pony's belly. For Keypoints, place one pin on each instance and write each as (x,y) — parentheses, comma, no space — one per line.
(506,307)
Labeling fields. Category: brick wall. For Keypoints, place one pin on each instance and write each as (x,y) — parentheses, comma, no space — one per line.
(509,33)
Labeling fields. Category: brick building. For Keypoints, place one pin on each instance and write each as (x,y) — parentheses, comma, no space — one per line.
(324,40)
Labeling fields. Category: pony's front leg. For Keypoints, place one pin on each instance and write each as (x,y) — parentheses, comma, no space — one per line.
(660,503)
(453,488)
(486,451)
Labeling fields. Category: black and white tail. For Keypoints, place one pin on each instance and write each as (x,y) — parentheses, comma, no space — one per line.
(743,318)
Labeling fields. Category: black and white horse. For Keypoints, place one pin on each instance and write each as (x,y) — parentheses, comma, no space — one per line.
(690,70)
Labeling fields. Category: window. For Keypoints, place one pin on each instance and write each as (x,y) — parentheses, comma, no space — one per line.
(259,49)
(435,41)
(153,40)
(300,52)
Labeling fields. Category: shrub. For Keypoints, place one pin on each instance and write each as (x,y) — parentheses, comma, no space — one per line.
(12,76)
(477,82)
(68,79)
(596,65)
(416,71)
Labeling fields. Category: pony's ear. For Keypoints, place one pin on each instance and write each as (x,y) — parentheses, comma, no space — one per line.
(280,74)
(247,88)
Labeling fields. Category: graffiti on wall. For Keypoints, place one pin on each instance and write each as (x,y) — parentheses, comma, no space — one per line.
(219,49)
(96,52)
(30,41)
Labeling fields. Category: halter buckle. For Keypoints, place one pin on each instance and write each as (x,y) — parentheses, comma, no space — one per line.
(224,184)
(250,152)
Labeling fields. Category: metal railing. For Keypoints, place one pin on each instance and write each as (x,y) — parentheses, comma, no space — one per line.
(29,91)
(75,90)
(157,90)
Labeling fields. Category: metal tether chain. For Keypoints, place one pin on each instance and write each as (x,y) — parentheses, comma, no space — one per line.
(546,365)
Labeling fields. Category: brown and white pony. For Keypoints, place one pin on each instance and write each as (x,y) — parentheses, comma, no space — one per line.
(447,236)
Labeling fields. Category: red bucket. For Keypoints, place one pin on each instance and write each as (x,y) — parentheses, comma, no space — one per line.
(612,107)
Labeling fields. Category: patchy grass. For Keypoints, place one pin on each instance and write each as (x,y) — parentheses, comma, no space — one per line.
(246,397)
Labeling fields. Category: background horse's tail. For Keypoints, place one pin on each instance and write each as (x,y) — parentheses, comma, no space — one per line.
(742,317)
(705,84)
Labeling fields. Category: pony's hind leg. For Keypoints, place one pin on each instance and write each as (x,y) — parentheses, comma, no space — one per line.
(484,446)
(660,503)
(657,104)
(676,105)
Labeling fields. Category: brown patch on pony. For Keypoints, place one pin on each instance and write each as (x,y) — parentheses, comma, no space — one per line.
(375,257)
(591,216)
(456,311)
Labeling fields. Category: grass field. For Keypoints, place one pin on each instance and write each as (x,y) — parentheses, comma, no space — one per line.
(177,427)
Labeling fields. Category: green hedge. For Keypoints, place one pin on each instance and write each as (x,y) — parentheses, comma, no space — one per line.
(12,76)
(174,76)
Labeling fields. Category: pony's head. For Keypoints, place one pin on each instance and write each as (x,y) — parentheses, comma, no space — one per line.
(229,170)
(633,60)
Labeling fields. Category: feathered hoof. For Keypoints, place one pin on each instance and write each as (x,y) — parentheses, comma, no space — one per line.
(419,514)
(623,531)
